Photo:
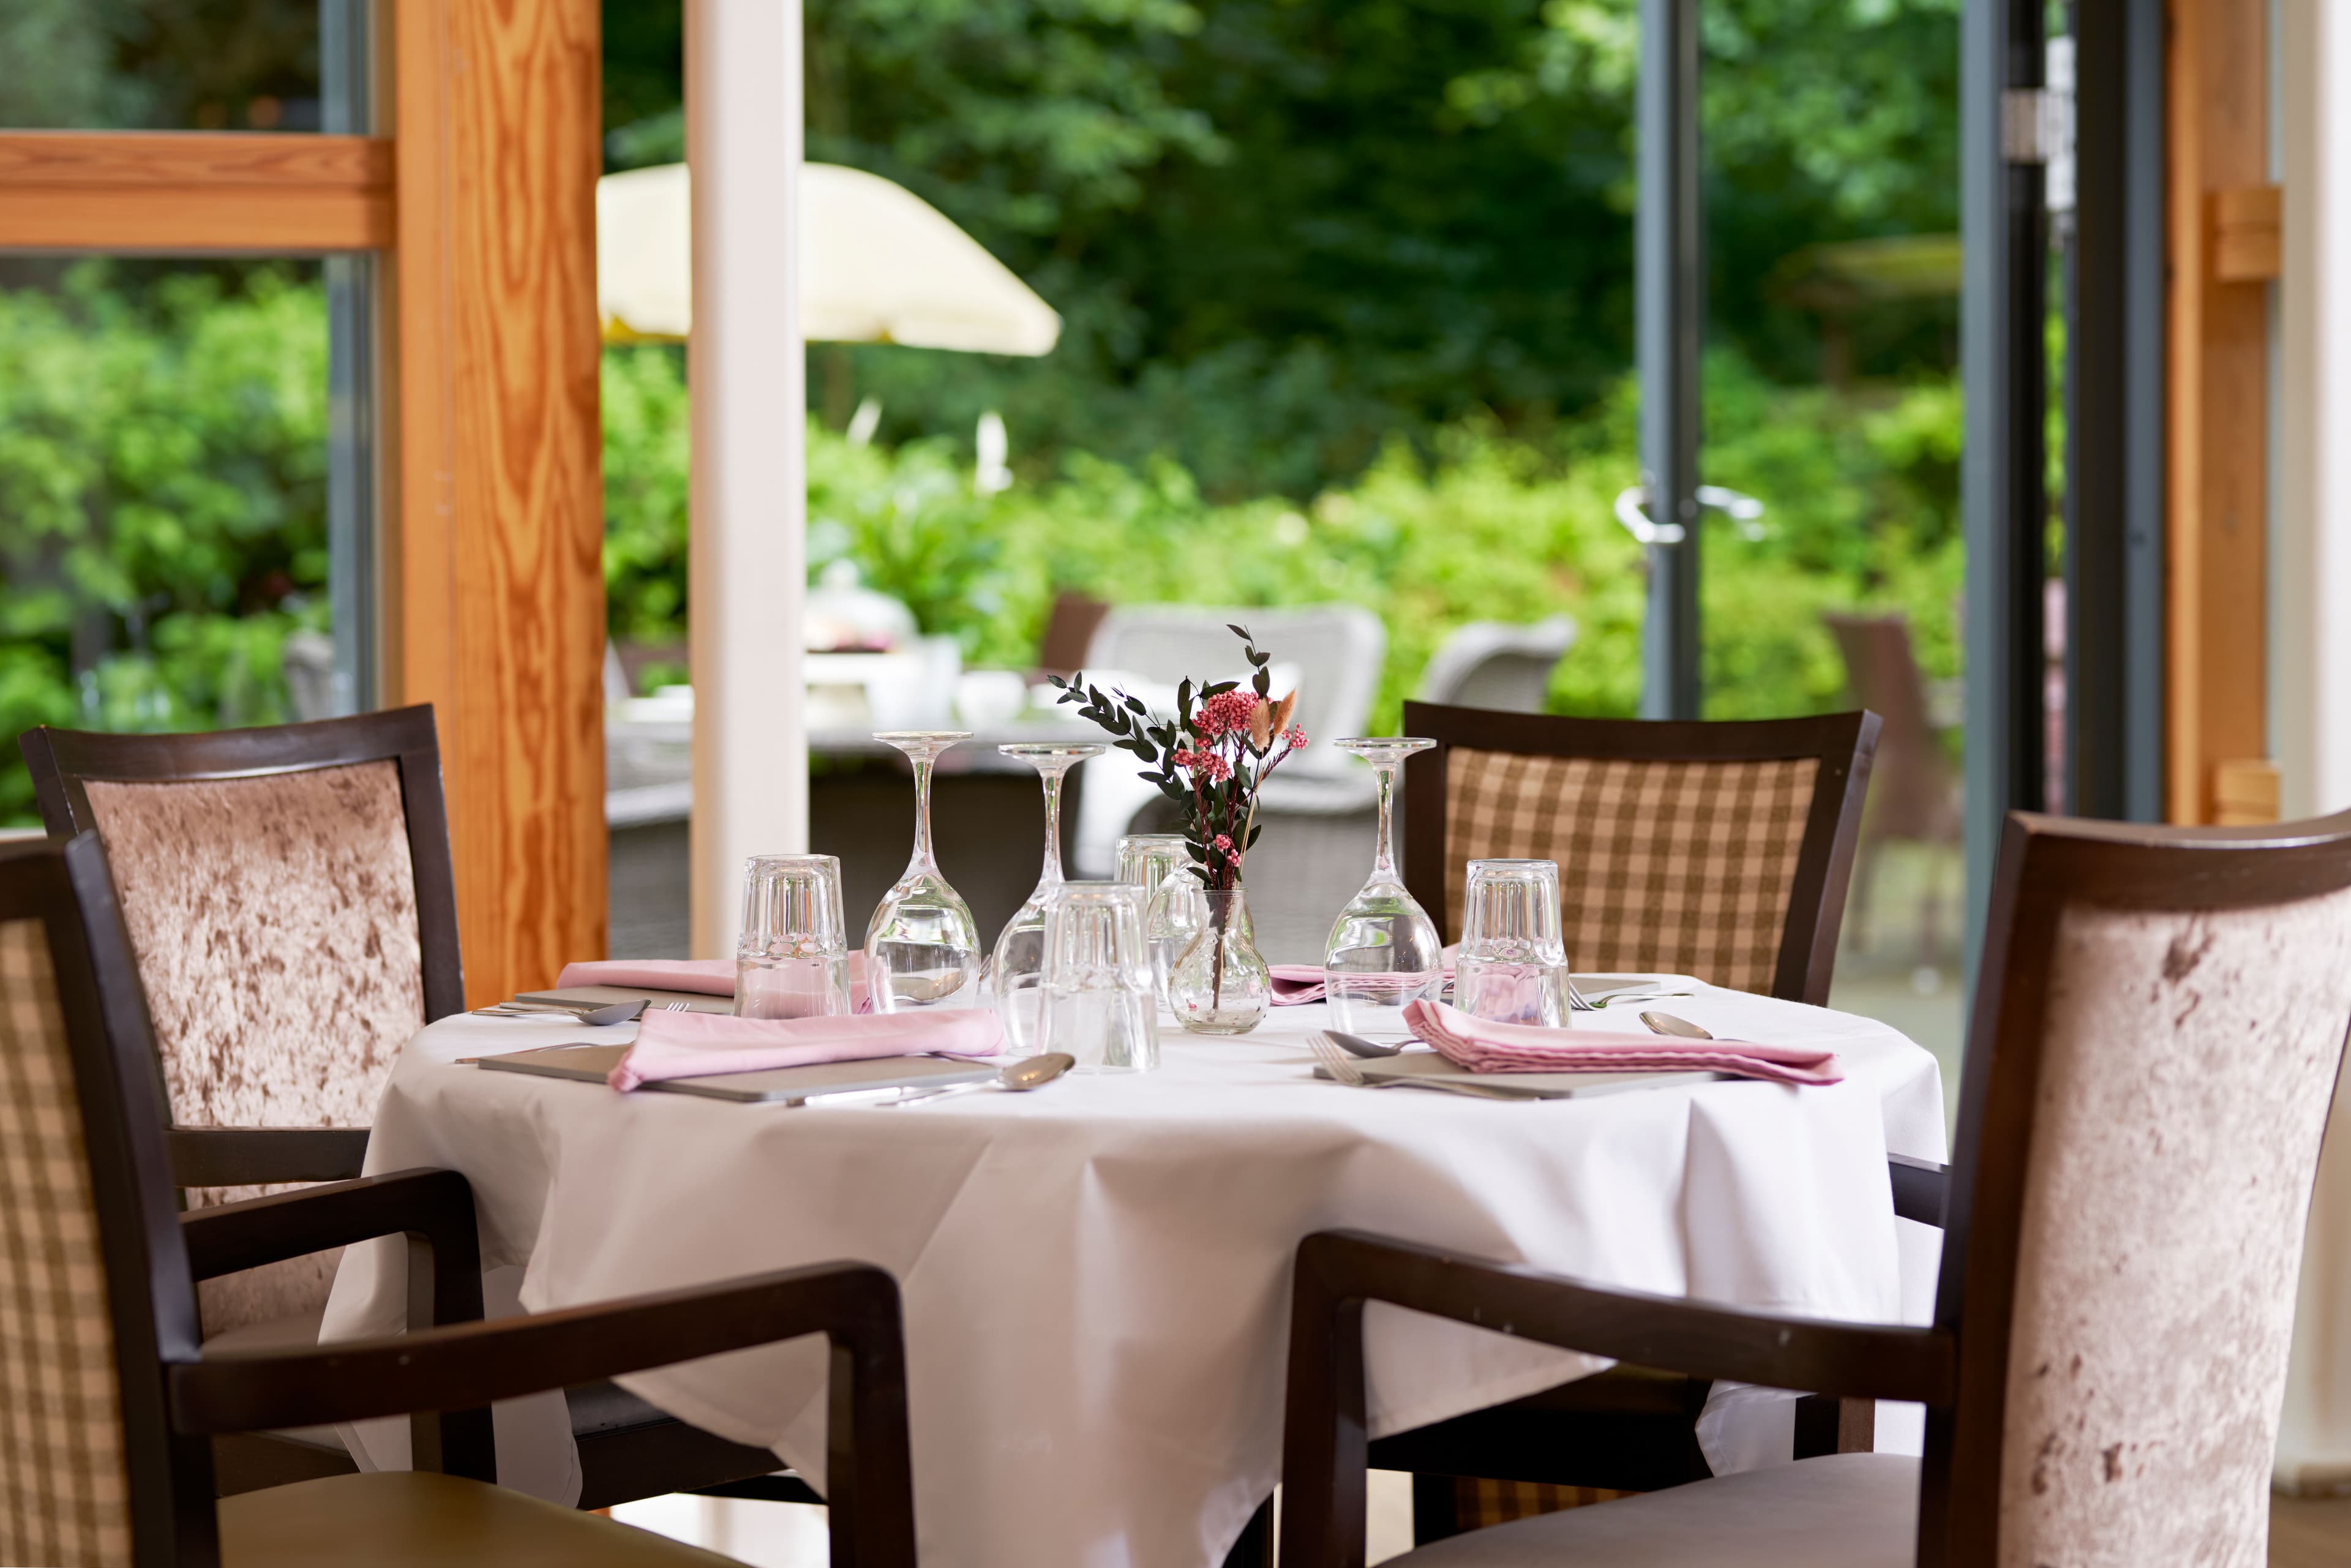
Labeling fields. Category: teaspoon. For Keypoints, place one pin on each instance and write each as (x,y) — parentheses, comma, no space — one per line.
(1665,1023)
(1017,1077)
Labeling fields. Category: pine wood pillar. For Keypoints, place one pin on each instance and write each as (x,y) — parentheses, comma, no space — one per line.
(2224,231)
(494,545)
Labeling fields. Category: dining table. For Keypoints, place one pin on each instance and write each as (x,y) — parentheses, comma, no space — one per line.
(1095,1274)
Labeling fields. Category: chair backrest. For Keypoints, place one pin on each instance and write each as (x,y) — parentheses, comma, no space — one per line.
(1495,665)
(2153,1052)
(1720,850)
(290,898)
(1913,794)
(1337,649)
(97,1278)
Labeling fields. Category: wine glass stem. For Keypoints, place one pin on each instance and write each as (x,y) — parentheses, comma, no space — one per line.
(921,815)
(1051,875)
(1384,866)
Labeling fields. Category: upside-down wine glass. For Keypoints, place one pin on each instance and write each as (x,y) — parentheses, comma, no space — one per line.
(1384,950)
(1019,964)
(1161,866)
(921,949)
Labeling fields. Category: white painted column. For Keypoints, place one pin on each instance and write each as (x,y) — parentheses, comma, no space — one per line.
(748,377)
(2310,642)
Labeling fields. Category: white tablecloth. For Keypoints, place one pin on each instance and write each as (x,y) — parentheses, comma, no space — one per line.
(1096,1275)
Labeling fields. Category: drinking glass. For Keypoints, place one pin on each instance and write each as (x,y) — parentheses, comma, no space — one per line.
(792,955)
(1161,864)
(1020,960)
(1384,950)
(1098,1005)
(1512,965)
(921,949)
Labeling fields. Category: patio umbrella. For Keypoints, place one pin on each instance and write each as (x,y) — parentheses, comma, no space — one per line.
(878,264)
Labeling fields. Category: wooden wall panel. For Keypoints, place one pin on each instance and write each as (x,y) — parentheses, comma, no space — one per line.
(2219,443)
(500,611)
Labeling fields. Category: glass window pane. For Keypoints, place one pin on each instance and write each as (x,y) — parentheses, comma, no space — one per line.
(173,65)
(167,454)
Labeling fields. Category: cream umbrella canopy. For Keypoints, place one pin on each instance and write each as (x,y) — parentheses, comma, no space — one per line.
(878,264)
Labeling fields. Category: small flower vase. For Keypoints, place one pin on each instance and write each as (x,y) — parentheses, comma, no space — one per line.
(1220,984)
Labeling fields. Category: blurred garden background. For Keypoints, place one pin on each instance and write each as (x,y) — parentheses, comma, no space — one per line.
(1347,293)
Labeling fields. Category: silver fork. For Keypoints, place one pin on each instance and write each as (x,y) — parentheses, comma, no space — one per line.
(1343,1070)
(677,1006)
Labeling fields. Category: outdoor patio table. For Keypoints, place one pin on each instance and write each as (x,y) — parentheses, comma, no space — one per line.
(1096,1275)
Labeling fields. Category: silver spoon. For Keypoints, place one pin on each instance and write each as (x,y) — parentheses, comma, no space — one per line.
(1665,1023)
(580,1012)
(1356,1045)
(1017,1077)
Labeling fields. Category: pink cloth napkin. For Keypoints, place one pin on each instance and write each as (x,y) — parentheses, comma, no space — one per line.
(689,1045)
(1484,1047)
(1295,985)
(706,977)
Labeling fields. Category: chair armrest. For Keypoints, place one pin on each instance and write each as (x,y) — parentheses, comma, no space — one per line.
(1324,1439)
(261,1157)
(433,1210)
(1920,1188)
(868,1471)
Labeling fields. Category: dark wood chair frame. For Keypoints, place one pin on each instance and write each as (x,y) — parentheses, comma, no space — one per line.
(1957,1367)
(1844,744)
(628,1449)
(175,1396)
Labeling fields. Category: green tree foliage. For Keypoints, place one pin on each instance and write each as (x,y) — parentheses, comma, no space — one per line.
(1283,233)
(162,502)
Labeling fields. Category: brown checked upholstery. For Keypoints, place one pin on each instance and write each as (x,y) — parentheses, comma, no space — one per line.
(275,923)
(1683,867)
(2187,1065)
(63,1486)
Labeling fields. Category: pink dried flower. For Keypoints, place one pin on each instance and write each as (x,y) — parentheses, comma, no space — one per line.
(1231,858)
(1214,767)
(1296,737)
(1224,840)
(1224,714)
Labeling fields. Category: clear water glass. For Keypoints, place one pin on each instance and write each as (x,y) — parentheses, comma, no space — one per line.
(1513,964)
(1017,968)
(1384,950)
(1161,864)
(791,954)
(921,948)
(1098,1002)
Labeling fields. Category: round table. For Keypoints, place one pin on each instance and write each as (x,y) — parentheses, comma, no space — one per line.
(1096,1275)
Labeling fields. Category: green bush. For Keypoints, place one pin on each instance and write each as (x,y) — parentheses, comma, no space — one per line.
(162,502)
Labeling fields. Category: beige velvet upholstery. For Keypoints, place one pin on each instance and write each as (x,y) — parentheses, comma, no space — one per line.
(2187,1071)
(273,919)
(1681,867)
(1846,1511)
(64,1487)
(400,1519)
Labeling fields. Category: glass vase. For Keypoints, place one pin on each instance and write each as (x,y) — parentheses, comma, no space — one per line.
(1220,984)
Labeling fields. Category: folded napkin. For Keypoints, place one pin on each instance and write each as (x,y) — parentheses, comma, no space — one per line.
(1484,1047)
(706,977)
(690,1045)
(1295,985)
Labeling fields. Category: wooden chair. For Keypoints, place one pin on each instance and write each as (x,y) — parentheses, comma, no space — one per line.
(2154,1050)
(1719,849)
(292,904)
(1915,797)
(111,1398)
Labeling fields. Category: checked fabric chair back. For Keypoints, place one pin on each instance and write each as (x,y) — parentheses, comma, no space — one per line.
(1716,850)
(63,1478)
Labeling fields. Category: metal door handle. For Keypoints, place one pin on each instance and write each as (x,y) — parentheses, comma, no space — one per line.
(1743,509)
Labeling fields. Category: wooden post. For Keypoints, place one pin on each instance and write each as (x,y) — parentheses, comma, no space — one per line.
(2225,224)
(496,534)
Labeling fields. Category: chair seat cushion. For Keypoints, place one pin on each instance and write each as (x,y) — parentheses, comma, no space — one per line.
(406,1518)
(1842,1510)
